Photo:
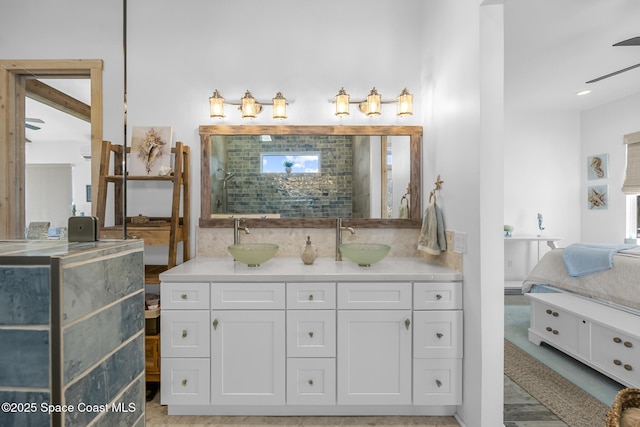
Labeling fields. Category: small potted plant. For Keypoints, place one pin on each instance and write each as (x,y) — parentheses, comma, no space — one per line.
(287,165)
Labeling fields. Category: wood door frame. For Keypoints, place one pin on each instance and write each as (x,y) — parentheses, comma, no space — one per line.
(13,75)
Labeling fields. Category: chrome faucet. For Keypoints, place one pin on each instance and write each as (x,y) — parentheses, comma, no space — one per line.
(339,229)
(236,230)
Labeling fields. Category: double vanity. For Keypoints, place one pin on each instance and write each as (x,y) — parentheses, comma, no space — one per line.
(331,338)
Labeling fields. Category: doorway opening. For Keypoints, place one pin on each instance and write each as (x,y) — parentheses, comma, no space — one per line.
(22,78)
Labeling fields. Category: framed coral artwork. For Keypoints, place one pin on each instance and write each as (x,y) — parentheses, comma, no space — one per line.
(598,197)
(597,166)
(150,150)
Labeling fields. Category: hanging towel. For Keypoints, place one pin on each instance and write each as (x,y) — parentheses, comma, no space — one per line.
(404,208)
(581,259)
(432,238)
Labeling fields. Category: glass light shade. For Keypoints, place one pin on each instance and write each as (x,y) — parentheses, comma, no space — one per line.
(279,106)
(374,101)
(216,105)
(250,108)
(342,103)
(405,103)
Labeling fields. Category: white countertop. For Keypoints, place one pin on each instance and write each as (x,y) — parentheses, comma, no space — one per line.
(293,269)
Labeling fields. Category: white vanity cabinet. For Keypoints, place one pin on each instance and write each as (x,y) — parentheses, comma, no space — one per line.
(327,339)
(311,343)
(437,343)
(248,343)
(185,365)
(374,343)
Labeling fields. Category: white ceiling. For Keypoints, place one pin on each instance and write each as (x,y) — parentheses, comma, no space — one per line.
(552,47)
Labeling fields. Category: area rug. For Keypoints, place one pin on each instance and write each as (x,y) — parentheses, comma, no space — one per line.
(570,403)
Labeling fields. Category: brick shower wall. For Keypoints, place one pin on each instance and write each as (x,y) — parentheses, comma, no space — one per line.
(298,195)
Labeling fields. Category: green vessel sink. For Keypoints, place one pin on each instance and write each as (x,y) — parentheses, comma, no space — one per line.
(364,254)
(253,254)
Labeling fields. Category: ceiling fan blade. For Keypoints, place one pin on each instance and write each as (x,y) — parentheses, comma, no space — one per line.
(32,127)
(606,76)
(634,41)
(34,120)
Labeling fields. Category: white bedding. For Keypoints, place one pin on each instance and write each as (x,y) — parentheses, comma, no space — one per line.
(620,284)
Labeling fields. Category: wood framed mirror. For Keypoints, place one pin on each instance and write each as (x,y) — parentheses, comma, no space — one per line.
(213,170)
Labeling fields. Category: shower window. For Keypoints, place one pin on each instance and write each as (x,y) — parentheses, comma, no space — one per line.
(298,162)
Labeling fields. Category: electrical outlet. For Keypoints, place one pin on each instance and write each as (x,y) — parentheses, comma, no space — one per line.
(460,242)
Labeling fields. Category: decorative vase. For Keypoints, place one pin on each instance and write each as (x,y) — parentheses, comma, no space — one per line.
(287,169)
(309,253)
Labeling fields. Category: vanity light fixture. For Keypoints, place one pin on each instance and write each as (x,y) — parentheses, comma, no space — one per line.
(216,105)
(373,104)
(248,105)
(342,103)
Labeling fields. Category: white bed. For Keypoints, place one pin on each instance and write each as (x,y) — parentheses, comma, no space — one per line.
(594,318)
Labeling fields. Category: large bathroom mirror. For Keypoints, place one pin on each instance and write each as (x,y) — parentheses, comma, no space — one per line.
(306,176)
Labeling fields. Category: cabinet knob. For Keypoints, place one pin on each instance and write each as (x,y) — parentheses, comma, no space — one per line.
(310,334)
(310,297)
(184,333)
(439,335)
(617,362)
(617,340)
(310,382)
(184,383)
(628,367)
(549,311)
(549,329)
(407,323)
(628,344)
(555,314)
(555,332)
(215,324)
(438,297)
(183,296)
(439,383)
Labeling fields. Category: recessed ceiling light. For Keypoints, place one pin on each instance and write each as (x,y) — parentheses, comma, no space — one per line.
(583,92)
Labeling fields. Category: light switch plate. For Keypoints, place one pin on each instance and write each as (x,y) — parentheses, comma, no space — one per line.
(460,242)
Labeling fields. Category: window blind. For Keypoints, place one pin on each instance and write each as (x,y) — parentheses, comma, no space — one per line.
(632,176)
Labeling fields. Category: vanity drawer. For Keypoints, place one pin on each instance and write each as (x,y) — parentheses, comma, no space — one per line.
(311,381)
(184,296)
(311,333)
(185,381)
(374,296)
(437,381)
(311,296)
(437,296)
(248,296)
(185,333)
(437,334)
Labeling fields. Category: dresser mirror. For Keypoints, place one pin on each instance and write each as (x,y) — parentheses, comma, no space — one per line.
(307,176)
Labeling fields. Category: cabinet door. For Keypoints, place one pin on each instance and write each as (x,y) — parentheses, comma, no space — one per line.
(248,358)
(374,357)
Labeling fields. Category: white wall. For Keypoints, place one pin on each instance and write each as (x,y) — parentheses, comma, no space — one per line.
(602,130)
(541,173)
(463,144)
